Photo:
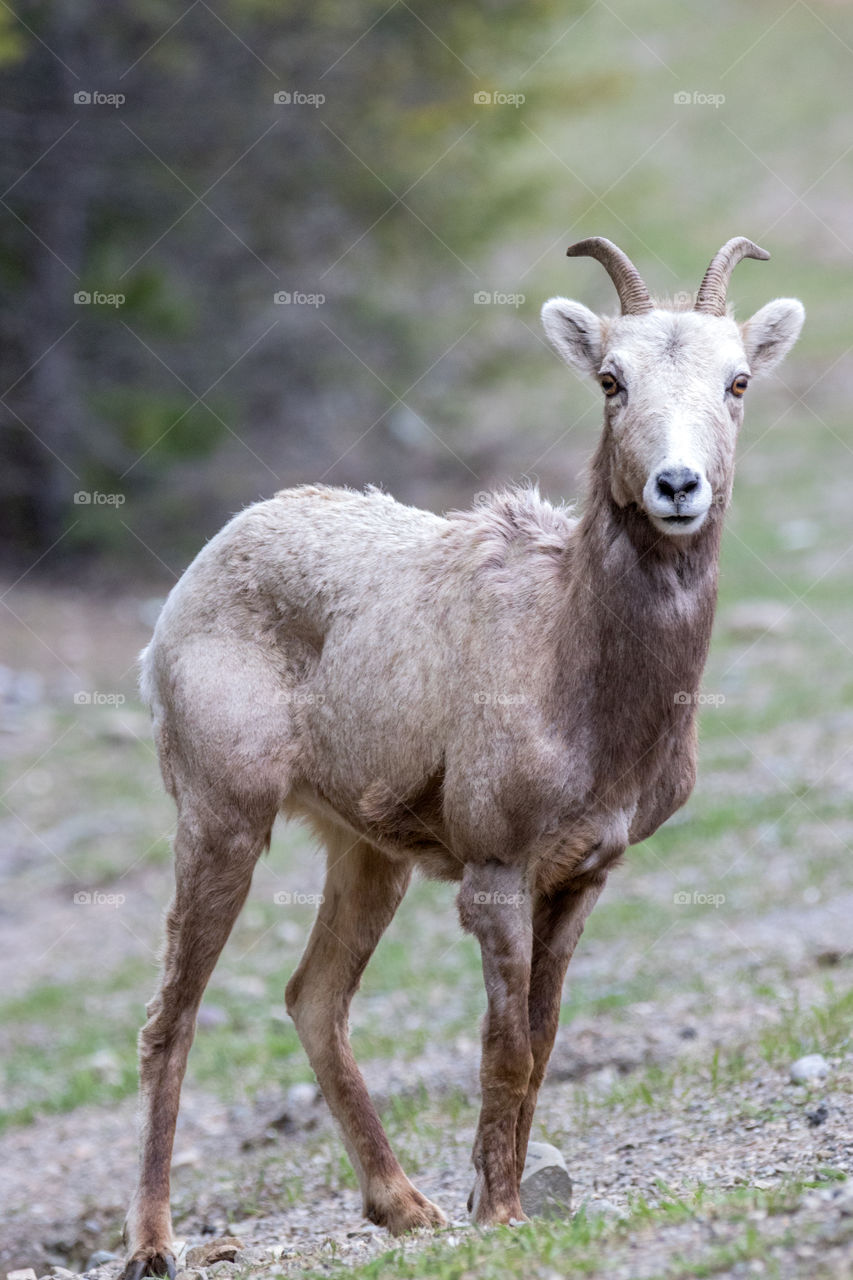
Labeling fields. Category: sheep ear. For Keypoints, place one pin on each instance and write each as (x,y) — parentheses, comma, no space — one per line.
(574,332)
(769,335)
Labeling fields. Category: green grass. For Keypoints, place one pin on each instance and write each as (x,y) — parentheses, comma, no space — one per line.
(51,1037)
(587,1245)
(825,1028)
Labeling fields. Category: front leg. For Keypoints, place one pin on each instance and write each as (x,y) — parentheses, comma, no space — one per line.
(494,905)
(558,922)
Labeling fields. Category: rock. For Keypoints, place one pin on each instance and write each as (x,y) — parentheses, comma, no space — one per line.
(843,1200)
(210,1016)
(240,1228)
(300,1111)
(605,1210)
(817,1116)
(546,1188)
(223,1249)
(99,1257)
(26,1273)
(798,534)
(188,1157)
(809,1070)
(106,1066)
(754,618)
(301,1098)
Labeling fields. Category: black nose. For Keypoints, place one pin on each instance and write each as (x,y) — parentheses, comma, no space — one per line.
(677,482)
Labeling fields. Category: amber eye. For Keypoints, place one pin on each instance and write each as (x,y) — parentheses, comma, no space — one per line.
(739,385)
(608,383)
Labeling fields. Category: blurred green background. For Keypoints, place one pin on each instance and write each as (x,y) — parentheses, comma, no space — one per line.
(384,187)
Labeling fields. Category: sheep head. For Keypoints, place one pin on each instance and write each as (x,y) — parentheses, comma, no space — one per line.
(673,380)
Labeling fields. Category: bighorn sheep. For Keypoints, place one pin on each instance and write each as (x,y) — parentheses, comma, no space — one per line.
(501,697)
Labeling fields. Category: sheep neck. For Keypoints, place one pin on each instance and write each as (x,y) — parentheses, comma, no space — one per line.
(633,631)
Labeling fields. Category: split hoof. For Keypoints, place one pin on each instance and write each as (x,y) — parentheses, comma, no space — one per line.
(152,1263)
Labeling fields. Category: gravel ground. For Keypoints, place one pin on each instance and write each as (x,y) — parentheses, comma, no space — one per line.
(64,1180)
(640,1099)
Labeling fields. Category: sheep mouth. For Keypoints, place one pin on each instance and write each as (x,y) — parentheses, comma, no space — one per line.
(679,524)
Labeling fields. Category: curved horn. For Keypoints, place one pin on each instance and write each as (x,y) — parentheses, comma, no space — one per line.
(711,297)
(633,294)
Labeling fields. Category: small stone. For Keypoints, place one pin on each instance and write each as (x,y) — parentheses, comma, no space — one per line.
(754,618)
(302,1097)
(211,1016)
(240,1228)
(817,1116)
(796,535)
(809,1070)
(189,1156)
(105,1065)
(606,1210)
(223,1249)
(546,1188)
(26,1273)
(844,1201)
(99,1257)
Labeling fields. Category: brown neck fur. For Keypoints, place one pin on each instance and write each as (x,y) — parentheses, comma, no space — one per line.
(635,629)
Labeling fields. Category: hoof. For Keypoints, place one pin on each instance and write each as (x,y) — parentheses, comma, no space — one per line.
(153,1263)
(404,1209)
(493,1213)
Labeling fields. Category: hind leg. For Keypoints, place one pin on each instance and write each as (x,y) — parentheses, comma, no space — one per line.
(363,890)
(215,858)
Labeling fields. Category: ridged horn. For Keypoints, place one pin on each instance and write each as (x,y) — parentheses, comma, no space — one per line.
(633,294)
(711,298)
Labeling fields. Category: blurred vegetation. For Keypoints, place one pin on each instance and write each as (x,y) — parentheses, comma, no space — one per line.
(398,198)
(196,200)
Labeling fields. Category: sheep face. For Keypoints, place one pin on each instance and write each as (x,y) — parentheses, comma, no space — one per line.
(674,384)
